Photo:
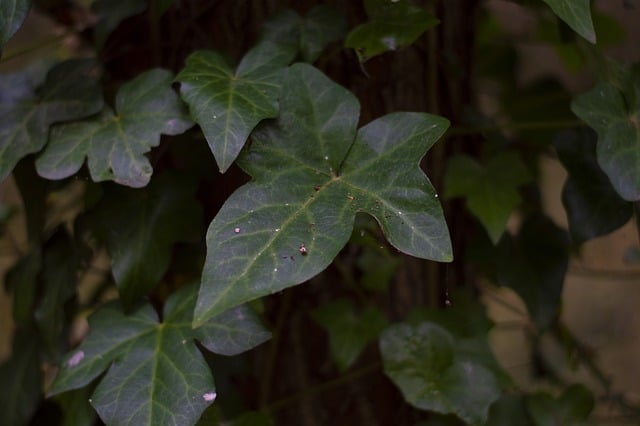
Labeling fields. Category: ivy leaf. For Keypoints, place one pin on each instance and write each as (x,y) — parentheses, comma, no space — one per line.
(156,374)
(509,410)
(12,15)
(392,25)
(69,92)
(593,207)
(490,190)
(228,104)
(110,13)
(572,408)
(349,330)
(321,26)
(421,360)
(140,227)
(310,179)
(615,116)
(115,144)
(577,14)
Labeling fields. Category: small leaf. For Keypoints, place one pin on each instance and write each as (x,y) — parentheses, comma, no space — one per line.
(228,105)
(110,13)
(615,116)
(349,330)
(115,144)
(593,207)
(312,173)
(490,190)
(572,408)
(577,14)
(12,15)
(421,361)
(140,227)
(157,375)
(68,93)
(392,25)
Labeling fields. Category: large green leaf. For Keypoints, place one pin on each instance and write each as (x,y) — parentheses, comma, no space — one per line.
(577,14)
(115,144)
(615,116)
(312,173)
(422,361)
(12,15)
(155,372)
(69,92)
(593,207)
(140,227)
(309,35)
(349,330)
(110,13)
(490,189)
(392,25)
(572,408)
(228,104)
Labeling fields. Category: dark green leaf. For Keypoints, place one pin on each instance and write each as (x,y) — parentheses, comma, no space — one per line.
(22,281)
(490,190)
(69,92)
(534,264)
(508,411)
(349,330)
(228,105)
(156,374)
(572,408)
(310,179)
(12,15)
(593,207)
(21,379)
(421,360)
(115,144)
(392,25)
(140,227)
(577,14)
(615,116)
(110,13)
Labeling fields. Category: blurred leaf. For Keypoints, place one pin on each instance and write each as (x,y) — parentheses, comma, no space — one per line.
(509,410)
(490,190)
(76,407)
(12,15)
(115,145)
(21,378)
(156,374)
(421,360)
(534,264)
(33,191)
(22,281)
(378,268)
(572,408)
(577,14)
(593,207)
(69,92)
(349,329)
(612,108)
(228,105)
(309,35)
(391,26)
(140,227)
(110,13)
(311,174)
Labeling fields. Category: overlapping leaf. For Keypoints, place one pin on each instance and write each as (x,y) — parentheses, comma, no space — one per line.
(69,92)
(392,25)
(12,15)
(228,104)
(577,14)
(310,178)
(140,227)
(614,113)
(115,144)
(423,362)
(155,373)
(490,190)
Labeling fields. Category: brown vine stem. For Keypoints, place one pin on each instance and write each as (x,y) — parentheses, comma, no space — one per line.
(526,125)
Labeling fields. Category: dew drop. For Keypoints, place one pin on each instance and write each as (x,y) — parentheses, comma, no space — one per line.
(275,269)
(277,229)
(362,233)
(437,195)
(214,117)
(399,212)
(326,157)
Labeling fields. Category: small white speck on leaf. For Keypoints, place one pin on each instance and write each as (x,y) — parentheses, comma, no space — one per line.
(326,157)
(236,230)
(275,269)
(209,396)
(277,229)
(437,195)
(75,359)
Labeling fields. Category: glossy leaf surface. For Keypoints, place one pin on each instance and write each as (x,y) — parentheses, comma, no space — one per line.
(311,174)
(12,15)
(115,143)
(228,104)
(155,373)
(577,14)
(69,92)
(423,362)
